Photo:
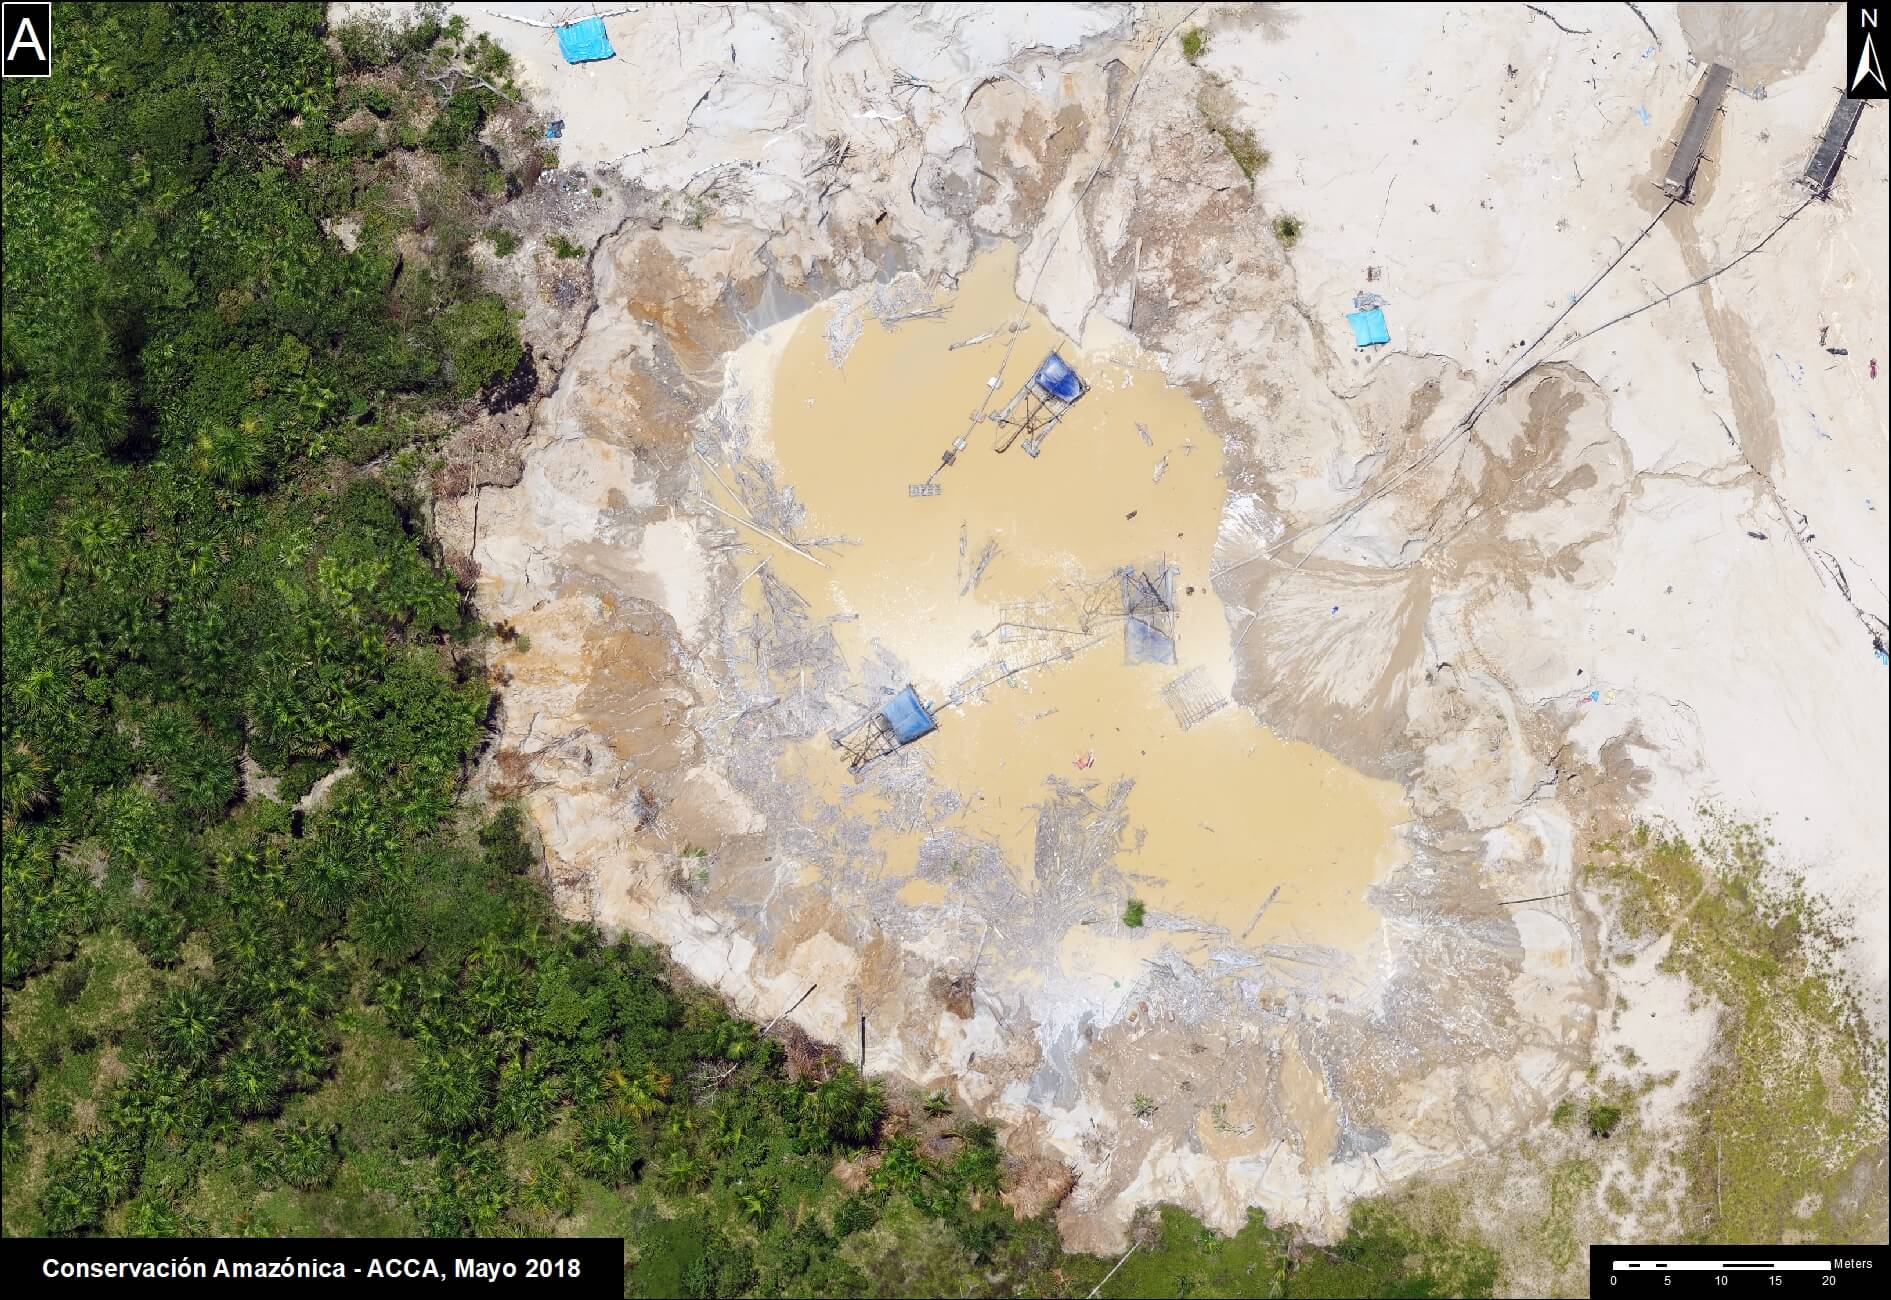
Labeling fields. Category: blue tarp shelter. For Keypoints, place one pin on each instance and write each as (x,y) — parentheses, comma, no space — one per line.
(1144,643)
(897,723)
(1039,403)
(1368,327)
(907,718)
(585,41)
(1055,377)
(1149,616)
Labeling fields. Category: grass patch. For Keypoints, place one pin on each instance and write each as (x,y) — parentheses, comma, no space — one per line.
(1557,1238)
(1194,44)
(91,993)
(564,248)
(63,1027)
(1241,145)
(1384,1253)
(1795,1093)
(481,342)
(1218,105)
(1133,914)
(1288,229)
(1602,1119)
(1791,1095)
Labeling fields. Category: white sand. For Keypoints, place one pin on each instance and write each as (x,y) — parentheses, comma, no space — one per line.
(1727,669)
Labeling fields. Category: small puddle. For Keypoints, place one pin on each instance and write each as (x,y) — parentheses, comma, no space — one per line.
(1015,563)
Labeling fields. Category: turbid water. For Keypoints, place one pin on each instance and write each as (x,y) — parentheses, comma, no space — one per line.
(1013,565)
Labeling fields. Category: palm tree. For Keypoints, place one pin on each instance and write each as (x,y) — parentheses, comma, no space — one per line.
(189,1026)
(642,1096)
(252,1086)
(683,1171)
(735,1040)
(609,1149)
(25,779)
(846,1109)
(757,1198)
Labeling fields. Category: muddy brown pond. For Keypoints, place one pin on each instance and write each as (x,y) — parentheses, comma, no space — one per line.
(1002,597)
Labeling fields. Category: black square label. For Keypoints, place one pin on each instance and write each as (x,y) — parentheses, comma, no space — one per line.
(26,39)
(1864,52)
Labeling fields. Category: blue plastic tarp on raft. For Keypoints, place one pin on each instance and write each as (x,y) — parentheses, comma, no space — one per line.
(1056,377)
(1143,641)
(907,717)
(1143,644)
(585,41)
(1368,327)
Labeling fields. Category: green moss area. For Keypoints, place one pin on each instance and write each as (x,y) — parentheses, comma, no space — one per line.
(1382,1253)
(1781,1135)
(1242,147)
(1795,1092)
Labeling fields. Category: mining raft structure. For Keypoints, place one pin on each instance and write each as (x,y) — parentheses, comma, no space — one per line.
(899,722)
(1035,408)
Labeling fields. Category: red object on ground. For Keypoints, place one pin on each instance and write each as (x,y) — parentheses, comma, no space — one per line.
(1874,367)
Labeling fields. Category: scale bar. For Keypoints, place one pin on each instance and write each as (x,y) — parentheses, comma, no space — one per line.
(1722,1266)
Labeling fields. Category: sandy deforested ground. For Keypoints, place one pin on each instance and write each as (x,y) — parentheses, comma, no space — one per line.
(1648,578)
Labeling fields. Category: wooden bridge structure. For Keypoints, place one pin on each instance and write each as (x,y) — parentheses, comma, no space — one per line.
(1822,167)
(1687,150)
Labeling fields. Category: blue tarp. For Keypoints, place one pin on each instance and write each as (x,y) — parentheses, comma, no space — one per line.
(907,717)
(1368,327)
(1056,377)
(1143,642)
(585,41)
